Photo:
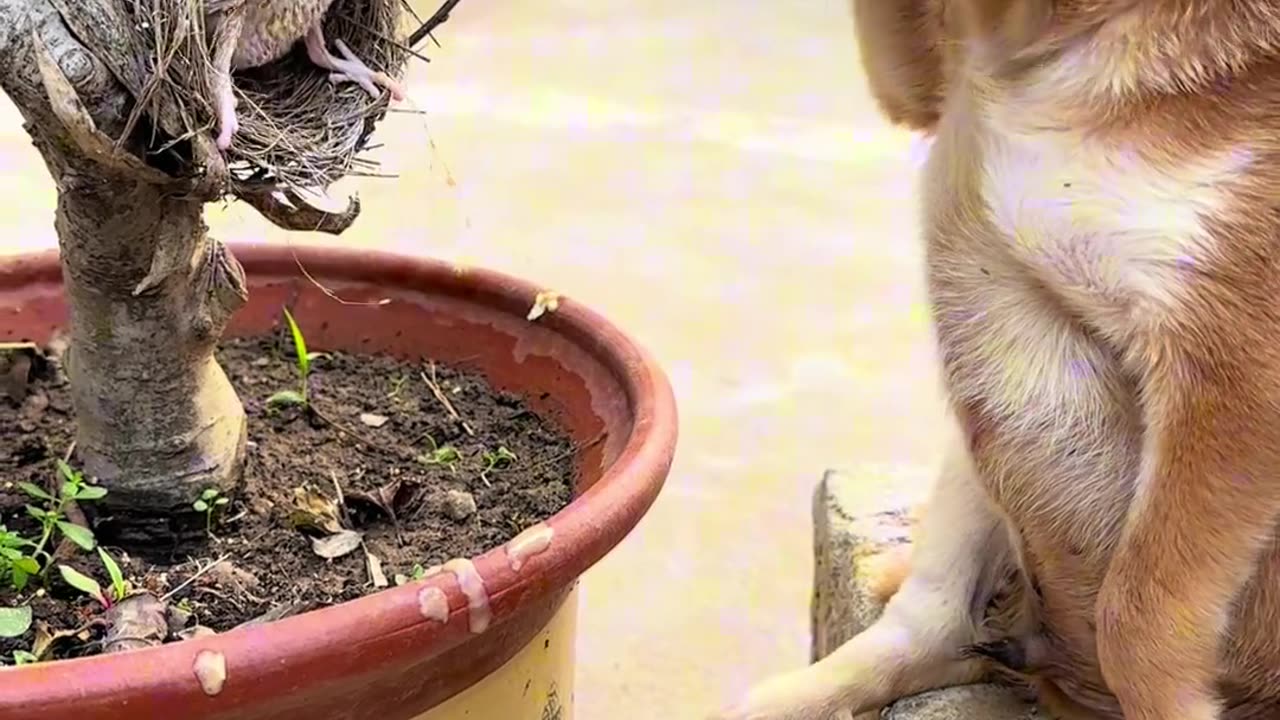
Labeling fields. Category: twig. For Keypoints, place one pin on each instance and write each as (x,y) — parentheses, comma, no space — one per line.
(448,406)
(391,41)
(331,294)
(439,18)
(226,598)
(194,577)
(342,501)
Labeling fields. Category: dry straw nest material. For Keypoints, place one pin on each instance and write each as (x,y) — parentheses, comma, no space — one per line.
(297,130)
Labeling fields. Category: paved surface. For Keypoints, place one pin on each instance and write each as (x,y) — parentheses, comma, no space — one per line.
(714,177)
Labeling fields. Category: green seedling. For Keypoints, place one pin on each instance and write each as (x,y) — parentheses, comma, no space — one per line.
(299,397)
(84,584)
(397,387)
(417,573)
(210,500)
(22,657)
(446,455)
(89,586)
(74,488)
(16,562)
(119,586)
(501,457)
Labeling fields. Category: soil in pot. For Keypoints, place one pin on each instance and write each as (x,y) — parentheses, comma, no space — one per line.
(424,462)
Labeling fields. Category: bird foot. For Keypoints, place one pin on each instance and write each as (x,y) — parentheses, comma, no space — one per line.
(353,69)
(228,122)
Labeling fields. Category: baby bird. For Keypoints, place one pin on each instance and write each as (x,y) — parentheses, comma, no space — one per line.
(250,33)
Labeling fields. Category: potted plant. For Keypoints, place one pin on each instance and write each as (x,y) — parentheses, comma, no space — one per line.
(290,464)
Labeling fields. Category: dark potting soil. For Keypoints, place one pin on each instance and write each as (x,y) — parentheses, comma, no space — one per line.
(430,462)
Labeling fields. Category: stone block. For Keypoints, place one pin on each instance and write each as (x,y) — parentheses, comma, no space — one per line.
(854,529)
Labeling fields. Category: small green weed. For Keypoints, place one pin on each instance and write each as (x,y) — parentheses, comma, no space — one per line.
(499,458)
(15,621)
(73,488)
(397,387)
(84,584)
(17,563)
(210,500)
(119,586)
(298,397)
(417,573)
(446,455)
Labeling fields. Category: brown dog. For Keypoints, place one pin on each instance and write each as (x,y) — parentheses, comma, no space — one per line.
(1102,217)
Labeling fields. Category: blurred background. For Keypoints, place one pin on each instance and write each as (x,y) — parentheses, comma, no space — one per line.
(715,178)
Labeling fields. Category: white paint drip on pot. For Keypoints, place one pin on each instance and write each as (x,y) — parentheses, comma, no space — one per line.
(472,585)
(530,543)
(433,604)
(211,670)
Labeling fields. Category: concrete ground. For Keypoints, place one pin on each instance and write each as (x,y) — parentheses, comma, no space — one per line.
(714,177)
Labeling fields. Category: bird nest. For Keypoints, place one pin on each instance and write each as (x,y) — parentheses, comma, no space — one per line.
(297,129)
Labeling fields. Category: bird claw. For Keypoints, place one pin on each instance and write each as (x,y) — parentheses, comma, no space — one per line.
(356,71)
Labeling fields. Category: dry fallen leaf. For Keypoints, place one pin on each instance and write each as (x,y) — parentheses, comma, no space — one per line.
(230,577)
(42,647)
(389,498)
(337,545)
(138,621)
(177,618)
(315,511)
(195,631)
(376,576)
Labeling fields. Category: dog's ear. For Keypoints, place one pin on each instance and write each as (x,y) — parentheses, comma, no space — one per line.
(903,46)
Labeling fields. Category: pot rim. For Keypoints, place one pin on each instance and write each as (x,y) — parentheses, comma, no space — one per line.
(583,532)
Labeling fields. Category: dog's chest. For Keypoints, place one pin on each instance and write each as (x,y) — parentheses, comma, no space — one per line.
(1115,231)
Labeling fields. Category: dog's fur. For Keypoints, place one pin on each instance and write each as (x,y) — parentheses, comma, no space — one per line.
(1102,219)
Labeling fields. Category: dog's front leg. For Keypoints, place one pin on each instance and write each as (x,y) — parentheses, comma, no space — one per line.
(916,644)
(1206,502)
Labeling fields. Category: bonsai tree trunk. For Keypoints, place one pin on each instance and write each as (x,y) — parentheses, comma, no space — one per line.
(157,420)
(150,293)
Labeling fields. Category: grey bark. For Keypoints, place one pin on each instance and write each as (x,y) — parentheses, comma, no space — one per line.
(149,291)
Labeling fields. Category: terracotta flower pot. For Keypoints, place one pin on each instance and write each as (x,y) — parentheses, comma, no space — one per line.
(389,656)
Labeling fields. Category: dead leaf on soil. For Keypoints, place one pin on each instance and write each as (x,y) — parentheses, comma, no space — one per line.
(230,577)
(47,640)
(390,498)
(376,575)
(337,545)
(314,511)
(177,619)
(195,631)
(139,621)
